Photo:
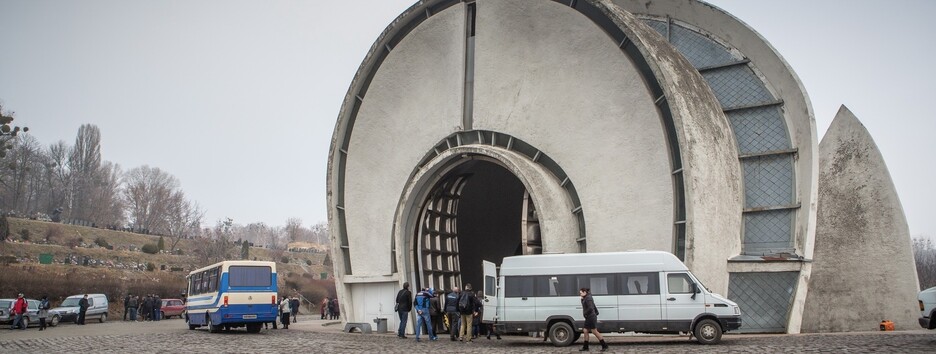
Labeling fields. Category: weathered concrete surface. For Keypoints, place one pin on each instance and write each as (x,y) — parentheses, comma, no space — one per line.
(546,74)
(863,270)
(709,155)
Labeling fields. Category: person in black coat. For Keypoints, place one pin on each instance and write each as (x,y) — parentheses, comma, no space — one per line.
(590,311)
(82,309)
(404,303)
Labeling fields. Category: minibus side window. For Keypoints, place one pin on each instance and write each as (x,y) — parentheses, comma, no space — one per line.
(639,283)
(600,284)
(518,286)
(678,283)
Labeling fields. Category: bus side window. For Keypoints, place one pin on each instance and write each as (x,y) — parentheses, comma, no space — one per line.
(678,283)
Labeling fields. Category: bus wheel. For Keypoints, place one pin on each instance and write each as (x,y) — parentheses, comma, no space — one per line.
(561,334)
(211,326)
(254,327)
(708,332)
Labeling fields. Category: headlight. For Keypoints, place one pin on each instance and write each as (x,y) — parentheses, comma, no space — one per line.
(737,310)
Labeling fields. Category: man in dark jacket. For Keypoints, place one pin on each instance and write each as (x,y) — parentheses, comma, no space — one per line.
(404,303)
(466,306)
(435,313)
(82,309)
(294,308)
(590,311)
(157,307)
(451,310)
(126,306)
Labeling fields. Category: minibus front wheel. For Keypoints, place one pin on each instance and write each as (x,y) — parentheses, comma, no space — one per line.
(708,331)
(561,334)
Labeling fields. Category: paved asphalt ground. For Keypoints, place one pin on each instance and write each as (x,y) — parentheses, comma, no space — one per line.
(315,336)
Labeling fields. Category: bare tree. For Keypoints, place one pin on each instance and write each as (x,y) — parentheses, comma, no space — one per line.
(924,254)
(22,161)
(183,218)
(148,192)
(293,229)
(106,207)
(85,163)
(216,245)
(58,179)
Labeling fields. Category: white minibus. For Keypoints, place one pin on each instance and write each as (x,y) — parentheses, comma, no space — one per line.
(639,291)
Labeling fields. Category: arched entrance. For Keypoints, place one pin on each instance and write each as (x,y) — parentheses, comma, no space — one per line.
(477,210)
(482,195)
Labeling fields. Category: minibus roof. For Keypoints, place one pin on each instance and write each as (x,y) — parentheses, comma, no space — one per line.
(594,263)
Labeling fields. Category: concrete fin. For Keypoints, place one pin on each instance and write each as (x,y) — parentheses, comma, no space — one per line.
(863,270)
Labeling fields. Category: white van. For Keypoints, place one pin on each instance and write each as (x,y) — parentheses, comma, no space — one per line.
(645,292)
(927,300)
(97,308)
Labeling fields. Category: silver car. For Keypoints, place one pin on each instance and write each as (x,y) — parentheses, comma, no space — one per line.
(32,313)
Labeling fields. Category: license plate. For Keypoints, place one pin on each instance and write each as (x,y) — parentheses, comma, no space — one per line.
(250,317)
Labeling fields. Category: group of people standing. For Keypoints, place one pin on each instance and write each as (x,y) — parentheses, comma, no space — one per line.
(329,308)
(149,308)
(288,311)
(462,313)
(20,307)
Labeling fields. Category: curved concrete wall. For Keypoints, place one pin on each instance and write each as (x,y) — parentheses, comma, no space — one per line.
(546,74)
(414,99)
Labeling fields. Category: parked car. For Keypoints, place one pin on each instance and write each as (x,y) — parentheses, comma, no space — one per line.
(927,299)
(172,307)
(32,313)
(97,308)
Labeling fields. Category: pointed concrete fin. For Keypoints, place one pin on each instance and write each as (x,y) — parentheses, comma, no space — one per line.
(863,270)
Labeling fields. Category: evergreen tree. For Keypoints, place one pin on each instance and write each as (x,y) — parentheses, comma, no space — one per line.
(162,244)
(245,250)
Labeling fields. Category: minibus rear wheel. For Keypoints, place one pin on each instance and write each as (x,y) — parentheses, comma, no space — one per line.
(708,331)
(561,334)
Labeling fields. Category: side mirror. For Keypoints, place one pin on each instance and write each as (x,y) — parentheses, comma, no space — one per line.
(695,289)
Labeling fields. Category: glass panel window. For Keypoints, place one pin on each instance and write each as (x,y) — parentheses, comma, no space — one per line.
(640,284)
(250,276)
(489,285)
(518,286)
(678,283)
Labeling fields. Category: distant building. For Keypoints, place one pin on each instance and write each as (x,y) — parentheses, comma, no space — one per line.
(483,129)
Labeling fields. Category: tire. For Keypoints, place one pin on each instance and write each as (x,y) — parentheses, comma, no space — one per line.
(25,322)
(103,317)
(192,327)
(54,321)
(162,315)
(708,331)
(254,327)
(211,327)
(561,334)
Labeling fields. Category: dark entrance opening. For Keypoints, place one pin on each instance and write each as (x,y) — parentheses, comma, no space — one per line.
(478,211)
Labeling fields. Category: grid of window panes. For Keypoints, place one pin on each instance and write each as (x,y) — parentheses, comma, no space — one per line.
(757,121)
(204,282)
(439,236)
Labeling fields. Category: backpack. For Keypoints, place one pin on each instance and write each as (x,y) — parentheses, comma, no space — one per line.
(464,303)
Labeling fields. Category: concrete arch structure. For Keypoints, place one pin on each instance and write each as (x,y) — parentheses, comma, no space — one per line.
(482,129)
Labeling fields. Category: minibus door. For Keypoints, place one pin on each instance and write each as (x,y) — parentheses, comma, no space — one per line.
(682,305)
(491,311)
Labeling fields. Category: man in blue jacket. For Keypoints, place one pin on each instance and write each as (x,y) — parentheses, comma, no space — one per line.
(421,305)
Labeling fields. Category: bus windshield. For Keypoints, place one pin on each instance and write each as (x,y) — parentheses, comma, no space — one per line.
(250,276)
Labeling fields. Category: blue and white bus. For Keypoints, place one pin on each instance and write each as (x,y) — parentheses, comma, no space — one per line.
(232,294)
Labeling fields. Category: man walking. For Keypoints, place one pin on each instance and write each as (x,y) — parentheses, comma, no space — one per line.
(19,309)
(451,310)
(294,308)
(404,303)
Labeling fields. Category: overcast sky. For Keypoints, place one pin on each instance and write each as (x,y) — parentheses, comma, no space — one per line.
(238,99)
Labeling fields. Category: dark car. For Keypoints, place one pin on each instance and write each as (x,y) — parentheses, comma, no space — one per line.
(172,307)
(32,313)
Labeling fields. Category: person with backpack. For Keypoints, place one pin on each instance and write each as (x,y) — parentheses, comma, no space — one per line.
(422,302)
(466,307)
(451,310)
(18,310)
(404,303)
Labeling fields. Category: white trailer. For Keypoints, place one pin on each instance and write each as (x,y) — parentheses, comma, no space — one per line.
(639,291)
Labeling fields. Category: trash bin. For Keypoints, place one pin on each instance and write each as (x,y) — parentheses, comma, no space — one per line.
(381,324)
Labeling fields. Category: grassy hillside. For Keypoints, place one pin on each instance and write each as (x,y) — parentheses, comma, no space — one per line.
(85,267)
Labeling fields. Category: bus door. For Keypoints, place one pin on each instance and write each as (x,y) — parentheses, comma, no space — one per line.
(684,301)
(491,310)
